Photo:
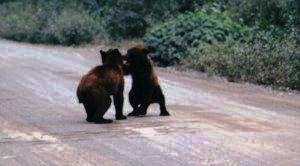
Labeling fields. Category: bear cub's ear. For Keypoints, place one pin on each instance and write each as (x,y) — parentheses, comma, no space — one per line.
(116,52)
(104,56)
(102,52)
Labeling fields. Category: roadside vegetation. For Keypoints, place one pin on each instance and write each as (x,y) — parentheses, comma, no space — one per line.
(256,41)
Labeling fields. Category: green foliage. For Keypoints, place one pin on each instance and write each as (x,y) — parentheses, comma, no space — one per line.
(170,41)
(264,61)
(71,27)
(265,12)
(126,20)
(5,1)
(131,18)
(50,22)
(77,21)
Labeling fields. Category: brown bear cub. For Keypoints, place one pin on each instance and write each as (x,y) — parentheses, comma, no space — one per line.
(96,87)
(145,88)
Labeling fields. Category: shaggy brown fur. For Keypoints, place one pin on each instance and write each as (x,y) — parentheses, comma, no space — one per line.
(96,87)
(145,86)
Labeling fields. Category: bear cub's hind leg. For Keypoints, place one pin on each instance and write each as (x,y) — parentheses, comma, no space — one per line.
(102,107)
(160,99)
(118,102)
(89,111)
(134,102)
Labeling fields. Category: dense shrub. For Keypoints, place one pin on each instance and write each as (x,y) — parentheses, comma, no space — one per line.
(170,41)
(266,13)
(4,1)
(264,61)
(18,28)
(50,22)
(126,20)
(130,18)
(42,21)
(71,27)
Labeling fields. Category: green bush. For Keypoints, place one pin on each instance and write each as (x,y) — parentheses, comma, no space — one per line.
(39,21)
(265,61)
(266,13)
(71,27)
(170,41)
(47,22)
(12,26)
(126,20)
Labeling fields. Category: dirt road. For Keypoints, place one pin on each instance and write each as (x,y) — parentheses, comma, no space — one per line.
(212,122)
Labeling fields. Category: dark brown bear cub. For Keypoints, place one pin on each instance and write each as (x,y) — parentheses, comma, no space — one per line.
(145,88)
(96,87)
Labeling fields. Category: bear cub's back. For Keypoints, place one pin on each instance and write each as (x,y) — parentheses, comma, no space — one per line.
(103,77)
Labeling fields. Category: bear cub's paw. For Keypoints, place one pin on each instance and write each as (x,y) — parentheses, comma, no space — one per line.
(122,117)
(103,121)
(164,114)
(134,113)
(143,112)
(88,119)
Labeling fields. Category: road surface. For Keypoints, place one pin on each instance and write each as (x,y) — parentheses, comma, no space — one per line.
(213,122)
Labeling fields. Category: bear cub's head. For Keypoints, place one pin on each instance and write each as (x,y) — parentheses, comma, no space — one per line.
(111,57)
(136,54)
